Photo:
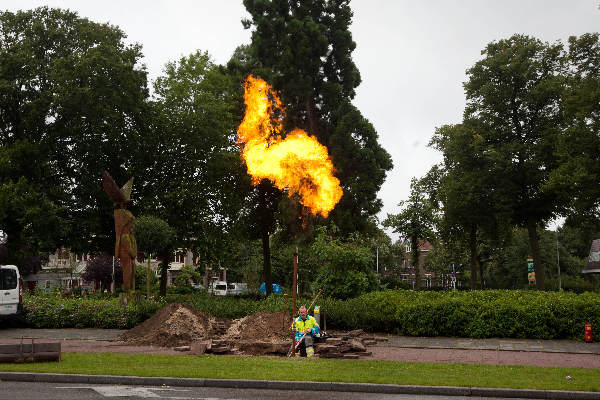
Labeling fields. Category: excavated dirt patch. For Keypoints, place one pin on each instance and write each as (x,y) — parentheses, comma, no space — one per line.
(261,326)
(176,325)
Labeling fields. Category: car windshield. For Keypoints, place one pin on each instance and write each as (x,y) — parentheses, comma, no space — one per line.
(221,287)
(231,286)
(8,279)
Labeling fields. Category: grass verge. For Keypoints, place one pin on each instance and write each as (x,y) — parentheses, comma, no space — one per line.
(326,370)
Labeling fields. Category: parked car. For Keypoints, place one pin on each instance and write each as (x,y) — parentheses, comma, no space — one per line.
(236,288)
(11,291)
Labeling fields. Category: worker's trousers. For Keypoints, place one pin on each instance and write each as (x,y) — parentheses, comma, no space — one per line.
(305,348)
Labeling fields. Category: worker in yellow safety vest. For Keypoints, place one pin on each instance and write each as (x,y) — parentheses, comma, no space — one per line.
(306,328)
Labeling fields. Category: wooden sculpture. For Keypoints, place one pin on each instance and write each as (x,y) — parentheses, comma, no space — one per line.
(125,244)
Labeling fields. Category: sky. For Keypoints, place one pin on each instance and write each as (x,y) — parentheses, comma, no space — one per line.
(412,55)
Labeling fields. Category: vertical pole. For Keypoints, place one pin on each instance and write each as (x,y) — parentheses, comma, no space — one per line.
(558,262)
(112,285)
(294,290)
(148,278)
(377,260)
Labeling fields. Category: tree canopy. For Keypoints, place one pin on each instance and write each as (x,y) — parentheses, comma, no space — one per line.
(72,96)
(305,50)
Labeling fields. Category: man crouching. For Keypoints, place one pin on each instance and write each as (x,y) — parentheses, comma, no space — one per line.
(306,328)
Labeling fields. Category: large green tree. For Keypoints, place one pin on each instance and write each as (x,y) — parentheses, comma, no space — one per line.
(468,193)
(515,92)
(195,179)
(579,147)
(72,100)
(305,50)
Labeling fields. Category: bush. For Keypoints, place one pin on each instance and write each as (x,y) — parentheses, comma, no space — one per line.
(55,311)
(475,314)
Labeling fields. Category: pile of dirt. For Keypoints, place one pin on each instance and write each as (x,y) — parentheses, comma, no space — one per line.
(263,325)
(176,325)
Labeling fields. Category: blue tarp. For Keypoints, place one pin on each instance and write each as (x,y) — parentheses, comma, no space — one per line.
(276,288)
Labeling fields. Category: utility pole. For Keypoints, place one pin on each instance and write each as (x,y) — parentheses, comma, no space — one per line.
(377,260)
(558,262)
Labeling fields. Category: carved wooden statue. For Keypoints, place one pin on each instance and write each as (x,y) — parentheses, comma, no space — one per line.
(125,244)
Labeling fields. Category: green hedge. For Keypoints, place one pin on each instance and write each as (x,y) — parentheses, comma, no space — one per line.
(477,314)
(55,311)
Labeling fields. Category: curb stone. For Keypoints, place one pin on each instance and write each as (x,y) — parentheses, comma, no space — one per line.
(299,385)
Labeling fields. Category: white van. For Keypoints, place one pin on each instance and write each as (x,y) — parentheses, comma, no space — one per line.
(219,288)
(236,289)
(11,290)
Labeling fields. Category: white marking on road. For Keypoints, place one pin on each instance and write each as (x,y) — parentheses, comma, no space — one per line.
(125,391)
(117,391)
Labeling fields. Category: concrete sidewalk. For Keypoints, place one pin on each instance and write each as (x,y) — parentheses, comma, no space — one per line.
(537,345)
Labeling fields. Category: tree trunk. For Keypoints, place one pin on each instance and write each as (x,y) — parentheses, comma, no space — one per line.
(313,127)
(481,274)
(267,263)
(415,259)
(474,257)
(164,266)
(535,252)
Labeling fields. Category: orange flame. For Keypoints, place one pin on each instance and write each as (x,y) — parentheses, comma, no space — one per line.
(299,163)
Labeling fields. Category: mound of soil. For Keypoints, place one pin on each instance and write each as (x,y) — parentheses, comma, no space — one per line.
(261,326)
(176,325)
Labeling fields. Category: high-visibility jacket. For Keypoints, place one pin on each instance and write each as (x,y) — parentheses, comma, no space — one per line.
(302,326)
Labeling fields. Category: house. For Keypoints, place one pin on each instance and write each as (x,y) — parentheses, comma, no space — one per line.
(62,271)
(407,273)
(179,258)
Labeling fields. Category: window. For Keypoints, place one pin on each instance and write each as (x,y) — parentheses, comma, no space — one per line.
(8,279)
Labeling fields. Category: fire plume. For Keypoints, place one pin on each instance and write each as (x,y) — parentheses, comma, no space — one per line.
(298,163)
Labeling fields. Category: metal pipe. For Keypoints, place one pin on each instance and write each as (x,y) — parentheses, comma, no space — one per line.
(294,290)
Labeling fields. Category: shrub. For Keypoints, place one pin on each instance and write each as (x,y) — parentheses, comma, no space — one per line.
(475,314)
(55,311)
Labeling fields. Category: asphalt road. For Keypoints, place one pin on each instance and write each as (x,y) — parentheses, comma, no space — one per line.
(58,391)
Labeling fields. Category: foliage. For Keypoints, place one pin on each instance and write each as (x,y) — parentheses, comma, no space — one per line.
(141,274)
(508,268)
(346,266)
(305,51)
(415,222)
(514,93)
(473,213)
(71,105)
(193,182)
(476,314)
(57,312)
(579,147)
(155,236)
(152,234)
(100,269)
(188,274)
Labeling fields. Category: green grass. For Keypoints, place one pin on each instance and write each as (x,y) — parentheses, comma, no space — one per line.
(327,370)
